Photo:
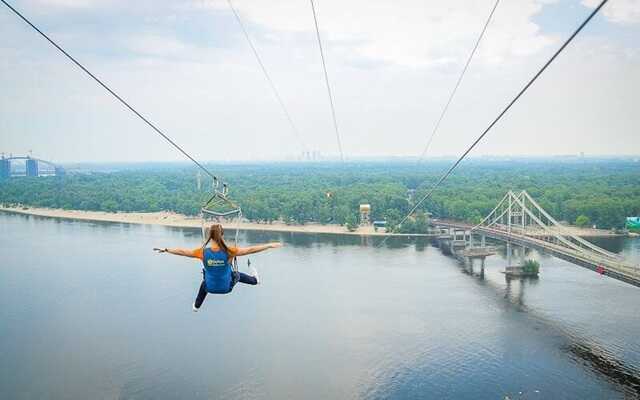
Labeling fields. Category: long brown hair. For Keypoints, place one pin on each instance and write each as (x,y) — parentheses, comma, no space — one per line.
(215,233)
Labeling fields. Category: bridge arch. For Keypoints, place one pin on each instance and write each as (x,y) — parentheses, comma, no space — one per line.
(520,220)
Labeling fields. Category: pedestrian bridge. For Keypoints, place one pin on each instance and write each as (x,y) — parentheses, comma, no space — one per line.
(518,219)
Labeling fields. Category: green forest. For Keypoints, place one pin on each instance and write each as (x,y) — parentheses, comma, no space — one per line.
(583,192)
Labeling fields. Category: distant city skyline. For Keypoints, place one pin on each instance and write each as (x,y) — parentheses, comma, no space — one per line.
(187,66)
(20,163)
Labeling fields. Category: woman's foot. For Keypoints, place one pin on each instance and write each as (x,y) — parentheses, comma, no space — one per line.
(254,273)
(194,308)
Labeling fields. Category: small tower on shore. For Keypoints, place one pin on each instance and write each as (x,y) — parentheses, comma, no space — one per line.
(365,211)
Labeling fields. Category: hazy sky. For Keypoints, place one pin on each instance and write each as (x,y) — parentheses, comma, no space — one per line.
(187,66)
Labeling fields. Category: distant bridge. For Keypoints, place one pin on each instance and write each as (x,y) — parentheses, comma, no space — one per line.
(518,219)
(32,167)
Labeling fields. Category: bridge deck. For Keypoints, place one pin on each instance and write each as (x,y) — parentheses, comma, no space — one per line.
(614,269)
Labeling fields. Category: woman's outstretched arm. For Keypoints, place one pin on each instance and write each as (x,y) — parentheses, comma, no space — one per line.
(243,251)
(179,252)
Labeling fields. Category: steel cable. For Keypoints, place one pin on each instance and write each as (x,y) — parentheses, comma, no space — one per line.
(326,79)
(455,88)
(112,92)
(294,128)
(502,113)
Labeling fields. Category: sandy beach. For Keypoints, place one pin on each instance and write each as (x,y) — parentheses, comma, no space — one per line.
(172,219)
(178,220)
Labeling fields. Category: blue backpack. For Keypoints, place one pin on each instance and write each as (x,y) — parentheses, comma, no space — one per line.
(218,271)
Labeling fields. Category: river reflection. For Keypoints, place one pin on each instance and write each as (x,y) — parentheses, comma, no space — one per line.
(89,311)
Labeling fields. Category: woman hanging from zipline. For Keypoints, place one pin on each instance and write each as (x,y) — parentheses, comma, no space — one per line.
(219,275)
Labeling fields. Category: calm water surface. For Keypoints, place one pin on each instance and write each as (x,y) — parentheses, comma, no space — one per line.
(89,311)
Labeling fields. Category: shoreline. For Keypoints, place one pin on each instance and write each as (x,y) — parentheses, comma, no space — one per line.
(175,220)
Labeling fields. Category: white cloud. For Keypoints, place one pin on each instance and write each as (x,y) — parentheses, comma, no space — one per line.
(205,87)
(70,3)
(156,45)
(412,33)
(619,11)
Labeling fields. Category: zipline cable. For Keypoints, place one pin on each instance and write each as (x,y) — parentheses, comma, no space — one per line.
(267,76)
(108,89)
(504,111)
(455,88)
(326,79)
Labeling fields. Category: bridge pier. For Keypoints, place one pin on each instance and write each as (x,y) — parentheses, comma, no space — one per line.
(471,254)
(458,242)
(470,263)
(514,252)
(444,242)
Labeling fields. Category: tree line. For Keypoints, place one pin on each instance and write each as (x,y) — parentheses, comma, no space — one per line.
(595,192)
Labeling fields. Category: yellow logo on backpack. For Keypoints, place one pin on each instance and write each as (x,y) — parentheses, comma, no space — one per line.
(215,263)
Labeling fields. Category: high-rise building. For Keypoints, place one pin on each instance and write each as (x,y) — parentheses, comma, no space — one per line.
(32,167)
(5,168)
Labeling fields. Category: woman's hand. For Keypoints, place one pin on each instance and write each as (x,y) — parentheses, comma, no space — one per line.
(245,251)
(180,252)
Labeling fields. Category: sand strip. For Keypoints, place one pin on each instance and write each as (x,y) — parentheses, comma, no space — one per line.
(182,221)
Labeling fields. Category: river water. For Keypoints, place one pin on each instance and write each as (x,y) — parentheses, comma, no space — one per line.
(89,311)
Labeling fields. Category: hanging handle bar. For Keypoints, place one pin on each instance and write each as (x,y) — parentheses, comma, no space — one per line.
(221,214)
